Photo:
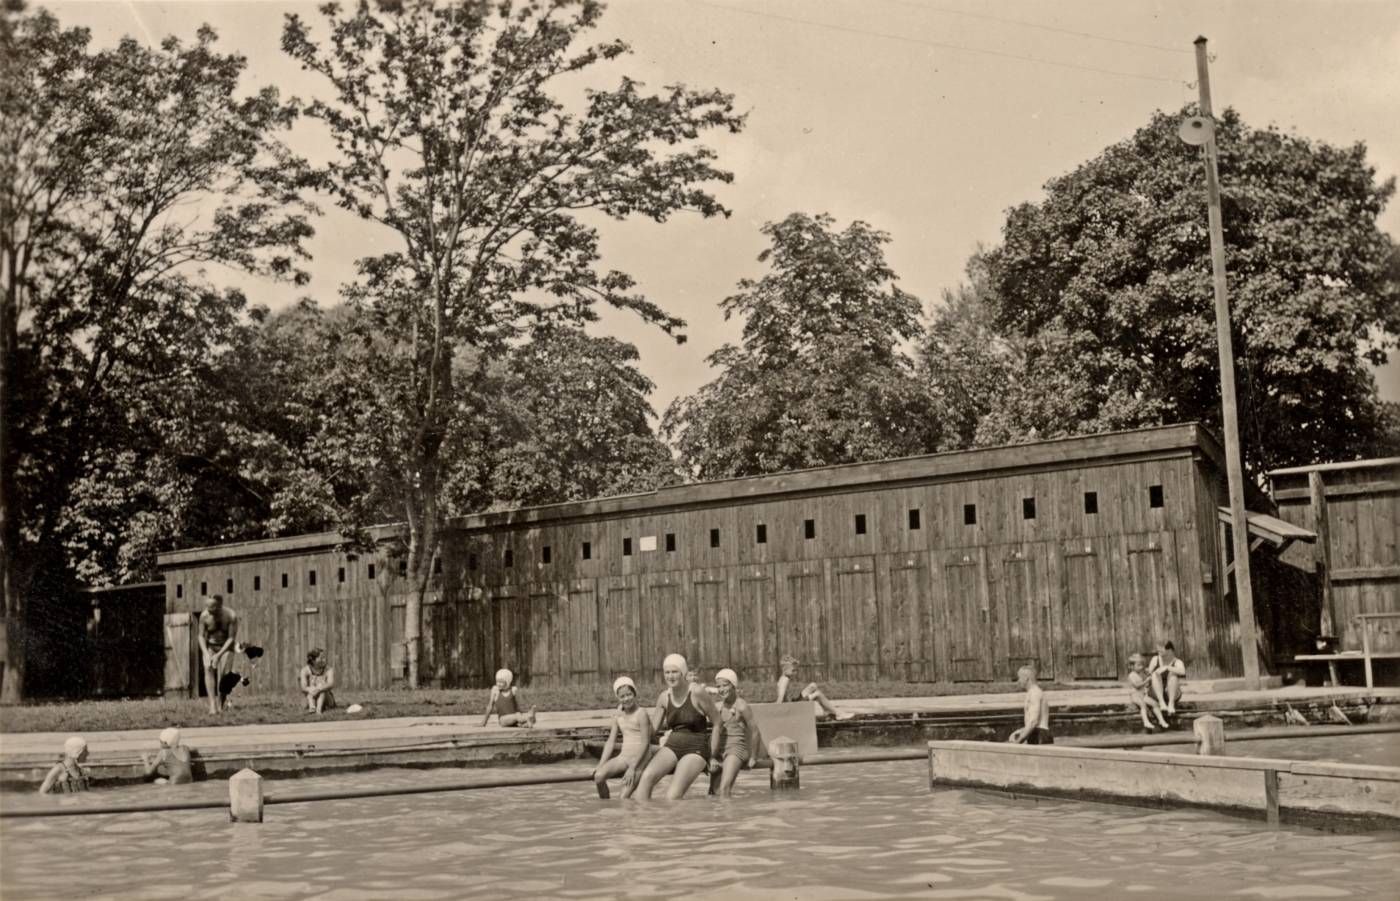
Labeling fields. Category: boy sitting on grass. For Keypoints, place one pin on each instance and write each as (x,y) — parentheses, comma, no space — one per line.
(172,764)
(788,690)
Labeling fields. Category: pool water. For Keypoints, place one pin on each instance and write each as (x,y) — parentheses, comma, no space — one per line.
(856,831)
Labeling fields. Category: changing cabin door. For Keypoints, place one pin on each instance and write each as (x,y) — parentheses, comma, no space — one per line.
(969,620)
(1025,613)
(1086,614)
(179,652)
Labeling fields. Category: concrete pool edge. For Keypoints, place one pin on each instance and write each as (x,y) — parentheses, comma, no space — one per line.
(1274,787)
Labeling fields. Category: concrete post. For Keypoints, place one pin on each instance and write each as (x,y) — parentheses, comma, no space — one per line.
(784,775)
(245,797)
(1210,736)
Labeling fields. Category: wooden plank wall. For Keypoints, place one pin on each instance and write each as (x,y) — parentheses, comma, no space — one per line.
(950,600)
(1360,558)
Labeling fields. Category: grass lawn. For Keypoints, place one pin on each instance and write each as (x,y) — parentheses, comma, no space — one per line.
(103,716)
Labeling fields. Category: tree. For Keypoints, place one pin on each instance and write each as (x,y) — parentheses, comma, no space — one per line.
(449,135)
(1108,281)
(820,378)
(105,157)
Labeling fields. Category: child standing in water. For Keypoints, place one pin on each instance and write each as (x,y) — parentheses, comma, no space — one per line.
(1138,686)
(506,702)
(172,764)
(634,724)
(788,690)
(69,774)
(735,741)
(1036,730)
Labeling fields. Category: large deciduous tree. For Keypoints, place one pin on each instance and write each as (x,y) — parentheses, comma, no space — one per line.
(449,132)
(1107,284)
(122,172)
(820,377)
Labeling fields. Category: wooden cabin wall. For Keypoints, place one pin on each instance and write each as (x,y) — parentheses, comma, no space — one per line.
(1361,559)
(948,601)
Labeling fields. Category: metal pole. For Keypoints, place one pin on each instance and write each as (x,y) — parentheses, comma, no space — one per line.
(1239,521)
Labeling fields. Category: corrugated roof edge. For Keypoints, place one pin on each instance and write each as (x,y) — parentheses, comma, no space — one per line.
(948,464)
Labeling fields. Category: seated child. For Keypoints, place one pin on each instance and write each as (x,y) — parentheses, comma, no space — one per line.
(1167,671)
(506,702)
(1138,685)
(69,774)
(1036,730)
(735,741)
(172,764)
(634,723)
(788,690)
(316,680)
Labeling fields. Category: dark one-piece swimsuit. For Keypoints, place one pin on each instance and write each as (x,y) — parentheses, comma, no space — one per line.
(690,730)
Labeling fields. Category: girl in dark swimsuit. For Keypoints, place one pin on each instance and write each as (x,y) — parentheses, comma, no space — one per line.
(686,713)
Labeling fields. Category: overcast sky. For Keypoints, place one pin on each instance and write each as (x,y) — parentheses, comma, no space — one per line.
(926,119)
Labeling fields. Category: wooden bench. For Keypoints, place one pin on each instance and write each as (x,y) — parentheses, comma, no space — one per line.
(1366,655)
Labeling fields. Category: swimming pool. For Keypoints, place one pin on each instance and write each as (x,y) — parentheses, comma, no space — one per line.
(858,831)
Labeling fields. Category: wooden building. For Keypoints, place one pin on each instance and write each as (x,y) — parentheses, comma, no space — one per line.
(950,567)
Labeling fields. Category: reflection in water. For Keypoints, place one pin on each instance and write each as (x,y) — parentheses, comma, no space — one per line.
(850,832)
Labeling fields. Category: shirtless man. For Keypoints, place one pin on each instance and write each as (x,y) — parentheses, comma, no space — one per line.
(218,626)
(1036,730)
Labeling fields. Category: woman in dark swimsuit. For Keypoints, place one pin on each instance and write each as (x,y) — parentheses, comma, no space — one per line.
(686,714)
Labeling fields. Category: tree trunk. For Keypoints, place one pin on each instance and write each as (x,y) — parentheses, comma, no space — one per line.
(12,644)
(413,609)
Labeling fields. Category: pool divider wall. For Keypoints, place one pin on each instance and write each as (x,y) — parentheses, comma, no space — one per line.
(1254,784)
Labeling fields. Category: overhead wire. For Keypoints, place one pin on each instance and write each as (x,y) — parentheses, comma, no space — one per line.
(914,4)
(944,45)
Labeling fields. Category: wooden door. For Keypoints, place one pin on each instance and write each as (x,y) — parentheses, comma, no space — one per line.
(969,620)
(906,641)
(621,634)
(1085,624)
(180,650)
(711,598)
(581,619)
(670,625)
(801,617)
(1023,609)
(858,629)
(543,635)
(508,649)
(753,641)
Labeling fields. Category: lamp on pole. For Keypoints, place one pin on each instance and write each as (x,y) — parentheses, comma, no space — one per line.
(1200,131)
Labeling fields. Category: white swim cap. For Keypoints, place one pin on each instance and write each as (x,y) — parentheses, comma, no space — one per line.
(170,737)
(729,676)
(505,675)
(624,680)
(74,746)
(675,661)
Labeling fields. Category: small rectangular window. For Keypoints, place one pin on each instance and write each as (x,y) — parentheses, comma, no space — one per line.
(228,586)
(403,567)
(761,534)
(340,574)
(809,528)
(257,583)
(179,591)
(914,523)
(969,514)
(714,538)
(1091,502)
(284,580)
(311,577)
(437,566)
(587,550)
(1028,508)
(670,541)
(472,561)
(203,588)
(510,558)
(860,523)
(1154,495)
(627,547)
(371,571)
(544,554)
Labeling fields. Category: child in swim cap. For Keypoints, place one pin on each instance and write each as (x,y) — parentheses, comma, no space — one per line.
(172,764)
(507,703)
(69,774)
(633,723)
(736,740)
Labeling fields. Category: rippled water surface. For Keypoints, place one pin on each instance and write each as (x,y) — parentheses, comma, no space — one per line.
(850,832)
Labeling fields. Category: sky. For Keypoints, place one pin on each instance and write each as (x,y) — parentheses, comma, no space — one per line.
(928,120)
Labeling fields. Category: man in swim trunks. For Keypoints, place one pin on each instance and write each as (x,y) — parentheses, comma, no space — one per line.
(218,626)
(1036,730)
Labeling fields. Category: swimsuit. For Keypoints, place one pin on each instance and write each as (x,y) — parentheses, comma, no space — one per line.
(505,703)
(73,780)
(793,693)
(688,727)
(632,745)
(176,762)
(736,733)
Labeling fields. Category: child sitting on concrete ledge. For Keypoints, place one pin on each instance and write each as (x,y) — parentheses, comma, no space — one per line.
(788,690)
(506,702)
(1138,685)
(1167,672)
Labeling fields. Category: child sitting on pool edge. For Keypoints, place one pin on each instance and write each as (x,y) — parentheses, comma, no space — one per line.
(788,690)
(172,764)
(1138,693)
(634,724)
(506,702)
(1167,671)
(735,740)
(69,774)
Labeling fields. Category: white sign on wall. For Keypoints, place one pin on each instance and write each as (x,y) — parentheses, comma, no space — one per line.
(648,542)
